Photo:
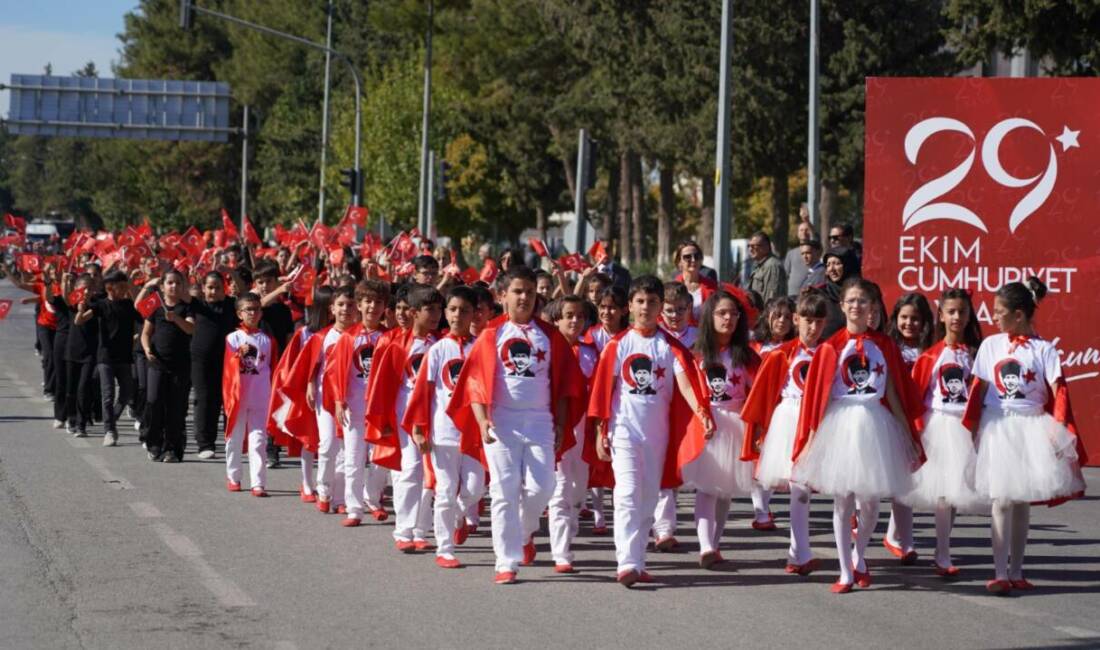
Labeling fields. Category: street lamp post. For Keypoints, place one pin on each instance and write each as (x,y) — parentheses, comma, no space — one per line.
(722,174)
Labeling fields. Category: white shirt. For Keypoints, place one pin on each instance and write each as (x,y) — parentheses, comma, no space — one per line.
(522,381)
(909,354)
(645,376)
(686,336)
(359,372)
(697,303)
(797,368)
(445,359)
(418,347)
(1018,374)
(599,336)
(255,366)
(860,379)
(727,386)
(768,347)
(587,357)
(949,383)
(331,337)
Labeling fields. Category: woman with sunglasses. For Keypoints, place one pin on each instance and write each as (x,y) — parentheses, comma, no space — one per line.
(689,259)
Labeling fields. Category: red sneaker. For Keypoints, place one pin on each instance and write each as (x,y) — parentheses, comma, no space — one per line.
(909,559)
(306,498)
(564,568)
(946,572)
(998,587)
(863,579)
(804,569)
(379,514)
(473,529)
(709,559)
(461,533)
(841,587)
(447,563)
(764,525)
(894,550)
(231,486)
(645,578)
(628,578)
(323,504)
(599,530)
(405,546)
(666,544)
(422,545)
(505,577)
(259,492)
(350,522)
(529,552)
(585,514)
(341,509)
(1021,584)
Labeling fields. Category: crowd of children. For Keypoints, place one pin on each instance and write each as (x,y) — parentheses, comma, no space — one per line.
(543,394)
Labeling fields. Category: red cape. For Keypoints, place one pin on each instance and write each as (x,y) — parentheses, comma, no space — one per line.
(281,396)
(765,395)
(475,386)
(387,373)
(334,379)
(231,387)
(819,384)
(684,444)
(301,421)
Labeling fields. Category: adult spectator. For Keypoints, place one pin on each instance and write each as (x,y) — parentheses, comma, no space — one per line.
(689,259)
(810,252)
(840,264)
(768,277)
(842,235)
(794,266)
(620,276)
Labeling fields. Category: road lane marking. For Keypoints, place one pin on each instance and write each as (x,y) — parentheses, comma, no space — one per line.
(224,589)
(1077,632)
(109,477)
(144,509)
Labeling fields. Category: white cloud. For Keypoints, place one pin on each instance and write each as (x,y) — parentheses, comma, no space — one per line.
(27,51)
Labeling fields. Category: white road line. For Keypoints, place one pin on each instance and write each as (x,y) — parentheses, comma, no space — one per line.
(225,590)
(1077,632)
(109,477)
(144,509)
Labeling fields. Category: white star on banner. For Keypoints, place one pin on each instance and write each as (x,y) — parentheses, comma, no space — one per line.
(1068,138)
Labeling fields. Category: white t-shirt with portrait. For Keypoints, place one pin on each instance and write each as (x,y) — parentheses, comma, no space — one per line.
(1018,373)
(727,386)
(797,369)
(522,381)
(645,376)
(860,378)
(254,366)
(445,359)
(949,383)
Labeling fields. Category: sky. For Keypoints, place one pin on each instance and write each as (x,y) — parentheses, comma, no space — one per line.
(65,33)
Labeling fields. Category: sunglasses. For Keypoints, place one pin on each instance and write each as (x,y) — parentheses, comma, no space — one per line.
(691,257)
(834,237)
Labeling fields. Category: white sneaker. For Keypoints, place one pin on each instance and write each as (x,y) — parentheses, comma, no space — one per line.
(58,424)
(110,439)
(206,454)
(137,425)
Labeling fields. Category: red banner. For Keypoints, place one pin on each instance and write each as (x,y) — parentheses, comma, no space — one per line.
(975,183)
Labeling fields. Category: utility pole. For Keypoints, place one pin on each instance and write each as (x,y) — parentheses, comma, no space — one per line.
(324,116)
(723,170)
(422,213)
(580,204)
(430,198)
(813,155)
(244,167)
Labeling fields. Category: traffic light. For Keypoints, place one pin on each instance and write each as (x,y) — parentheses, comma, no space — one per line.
(441,179)
(593,152)
(353,182)
(185,14)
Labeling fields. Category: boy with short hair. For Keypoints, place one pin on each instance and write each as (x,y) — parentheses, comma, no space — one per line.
(645,392)
(114,357)
(432,429)
(250,355)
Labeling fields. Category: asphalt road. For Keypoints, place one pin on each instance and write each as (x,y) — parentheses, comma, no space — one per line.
(101,548)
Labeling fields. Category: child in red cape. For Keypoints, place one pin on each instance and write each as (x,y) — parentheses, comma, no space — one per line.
(517,401)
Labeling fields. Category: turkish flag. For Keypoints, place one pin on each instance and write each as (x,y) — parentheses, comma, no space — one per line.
(194,243)
(15,223)
(319,235)
(5,307)
(144,231)
(357,215)
(974,183)
(149,304)
(405,269)
(539,247)
(470,275)
(302,281)
(76,296)
(336,255)
(250,234)
(597,252)
(345,234)
(110,259)
(229,227)
(30,263)
(574,262)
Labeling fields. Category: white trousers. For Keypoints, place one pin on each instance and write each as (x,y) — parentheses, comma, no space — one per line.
(761,503)
(851,555)
(638,467)
(799,551)
(355,460)
(521,466)
(599,516)
(412,509)
(309,485)
(249,423)
(711,513)
(330,460)
(570,485)
(473,478)
(664,524)
(451,496)
(375,484)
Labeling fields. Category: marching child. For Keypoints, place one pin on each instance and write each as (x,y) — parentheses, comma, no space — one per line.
(644,395)
(771,419)
(775,325)
(250,357)
(166,339)
(943,373)
(1025,454)
(855,441)
(432,429)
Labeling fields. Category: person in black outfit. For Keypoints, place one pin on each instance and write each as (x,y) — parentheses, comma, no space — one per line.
(80,358)
(214,317)
(64,317)
(166,340)
(117,320)
(277,319)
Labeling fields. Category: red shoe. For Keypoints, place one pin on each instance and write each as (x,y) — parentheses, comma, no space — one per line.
(709,559)
(505,577)
(323,504)
(946,572)
(628,578)
(666,544)
(481,512)
(306,498)
(863,579)
(341,509)
(405,546)
(804,569)
(259,492)
(529,552)
(909,559)
(564,568)
(421,545)
(231,486)
(998,587)
(472,529)
(1021,584)
(894,550)
(379,514)
(447,563)
(764,525)
(645,578)
(461,533)
(585,514)
(599,530)
(841,587)
(350,522)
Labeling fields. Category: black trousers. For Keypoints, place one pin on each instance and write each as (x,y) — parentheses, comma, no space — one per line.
(141,383)
(109,373)
(166,408)
(80,392)
(206,377)
(60,379)
(45,337)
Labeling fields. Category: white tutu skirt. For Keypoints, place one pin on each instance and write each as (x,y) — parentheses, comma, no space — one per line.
(773,470)
(719,469)
(1025,458)
(949,472)
(860,449)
